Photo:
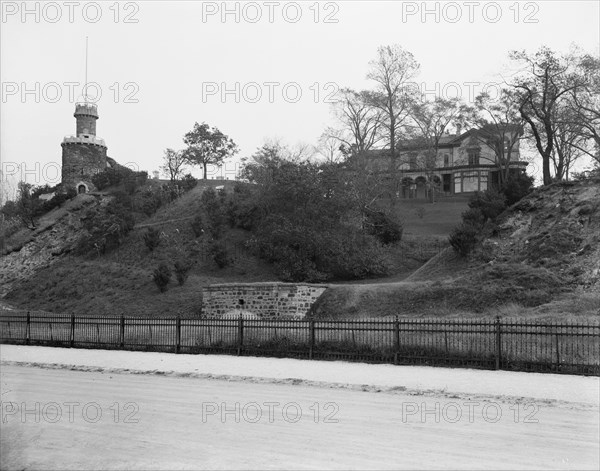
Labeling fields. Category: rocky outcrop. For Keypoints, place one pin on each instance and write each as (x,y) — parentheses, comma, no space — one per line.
(56,234)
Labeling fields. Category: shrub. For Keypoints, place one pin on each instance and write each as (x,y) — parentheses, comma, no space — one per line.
(197,225)
(182,268)
(517,187)
(474,217)
(386,229)
(71,193)
(152,239)
(105,227)
(242,210)
(490,202)
(464,238)
(120,176)
(162,276)
(188,182)
(213,207)
(350,256)
(108,177)
(219,254)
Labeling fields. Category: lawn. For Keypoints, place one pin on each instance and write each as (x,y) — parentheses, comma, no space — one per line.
(422,218)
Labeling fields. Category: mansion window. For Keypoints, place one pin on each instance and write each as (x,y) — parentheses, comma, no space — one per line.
(473,155)
(447,182)
(446,160)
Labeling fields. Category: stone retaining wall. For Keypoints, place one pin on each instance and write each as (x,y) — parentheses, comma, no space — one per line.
(265,300)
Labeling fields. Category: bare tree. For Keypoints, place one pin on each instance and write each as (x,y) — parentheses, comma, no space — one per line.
(571,142)
(432,119)
(329,145)
(499,125)
(360,121)
(549,81)
(392,70)
(174,163)
(585,107)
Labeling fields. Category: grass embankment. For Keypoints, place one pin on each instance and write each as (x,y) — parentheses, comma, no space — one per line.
(120,282)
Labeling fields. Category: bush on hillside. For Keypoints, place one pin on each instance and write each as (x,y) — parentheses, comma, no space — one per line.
(162,276)
(491,203)
(182,268)
(105,227)
(242,210)
(120,176)
(517,187)
(188,182)
(197,225)
(152,239)
(474,217)
(218,252)
(384,227)
(464,238)
(213,205)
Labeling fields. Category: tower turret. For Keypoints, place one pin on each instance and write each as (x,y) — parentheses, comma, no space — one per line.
(86,115)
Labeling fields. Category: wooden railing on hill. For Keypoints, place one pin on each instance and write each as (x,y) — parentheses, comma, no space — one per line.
(557,347)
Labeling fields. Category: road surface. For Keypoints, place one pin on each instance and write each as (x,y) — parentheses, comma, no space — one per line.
(65,419)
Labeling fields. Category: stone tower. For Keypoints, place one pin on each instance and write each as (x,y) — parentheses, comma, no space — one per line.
(84,154)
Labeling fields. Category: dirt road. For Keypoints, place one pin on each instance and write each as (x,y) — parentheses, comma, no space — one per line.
(62,419)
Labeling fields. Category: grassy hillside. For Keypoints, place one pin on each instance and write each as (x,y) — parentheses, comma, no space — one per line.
(43,275)
(543,262)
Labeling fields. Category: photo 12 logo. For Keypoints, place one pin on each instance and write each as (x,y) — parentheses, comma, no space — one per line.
(54,92)
(269,412)
(270,12)
(53,412)
(38,173)
(469,412)
(69,12)
(466,91)
(469,12)
(269,92)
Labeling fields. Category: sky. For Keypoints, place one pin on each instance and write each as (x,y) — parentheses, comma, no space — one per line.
(256,70)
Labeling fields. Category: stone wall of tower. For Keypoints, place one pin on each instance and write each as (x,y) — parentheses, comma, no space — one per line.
(80,162)
(86,125)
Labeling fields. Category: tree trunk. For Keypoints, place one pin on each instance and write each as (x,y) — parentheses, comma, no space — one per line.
(546,169)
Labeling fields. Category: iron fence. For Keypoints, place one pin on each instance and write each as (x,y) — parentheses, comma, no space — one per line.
(508,344)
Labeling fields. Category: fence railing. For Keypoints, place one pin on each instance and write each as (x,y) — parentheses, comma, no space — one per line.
(560,347)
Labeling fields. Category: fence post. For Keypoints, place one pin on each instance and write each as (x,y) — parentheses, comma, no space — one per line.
(396,340)
(28,329)
(498,342)
(311,338)
(177,334)
(557,352)
(122,333)
(240,334)
(72,331)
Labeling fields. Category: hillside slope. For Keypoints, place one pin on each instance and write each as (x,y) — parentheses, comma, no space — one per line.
(41,272)
(44,275)
(543,261)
